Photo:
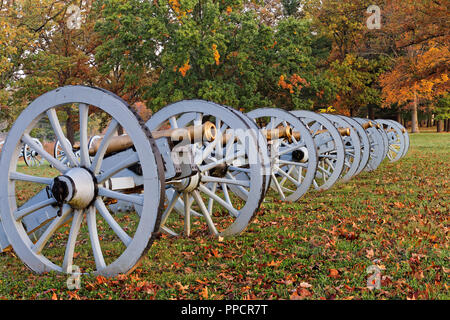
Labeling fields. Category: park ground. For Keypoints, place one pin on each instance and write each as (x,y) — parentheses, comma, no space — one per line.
(395,218)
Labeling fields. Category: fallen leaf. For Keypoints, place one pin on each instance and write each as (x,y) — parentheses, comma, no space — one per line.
(300,294)
(204,293)
(274,263)
(305,285)
(333,273)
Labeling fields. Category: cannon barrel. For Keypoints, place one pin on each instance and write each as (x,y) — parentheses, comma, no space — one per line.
(206,131)
(277,133)
(270,134)
(342,131)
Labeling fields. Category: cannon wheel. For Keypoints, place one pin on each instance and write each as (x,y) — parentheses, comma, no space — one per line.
(364,143)
(30,156)
(59,153)
(384,137)
(352,147)
(38,254)
(405,136)
(396,140)
(290,178)
(330,151)
(376,146)
(220,197)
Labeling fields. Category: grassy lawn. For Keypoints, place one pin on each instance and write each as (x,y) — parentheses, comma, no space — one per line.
(320,247)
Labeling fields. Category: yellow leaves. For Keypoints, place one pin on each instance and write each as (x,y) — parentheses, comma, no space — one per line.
(216,54)
(330,109)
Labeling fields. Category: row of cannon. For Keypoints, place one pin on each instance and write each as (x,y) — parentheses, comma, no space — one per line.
(193,165)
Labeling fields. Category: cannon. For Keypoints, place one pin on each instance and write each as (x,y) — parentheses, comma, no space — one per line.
(293,153)
(162,179)
(29,155)
(193,164)
(329,145)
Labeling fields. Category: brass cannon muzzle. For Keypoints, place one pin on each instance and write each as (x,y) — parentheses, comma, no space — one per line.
(367,125)
(345,132)
(193,134)
(278,133)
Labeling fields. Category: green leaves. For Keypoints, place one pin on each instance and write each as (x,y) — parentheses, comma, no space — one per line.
(208,50)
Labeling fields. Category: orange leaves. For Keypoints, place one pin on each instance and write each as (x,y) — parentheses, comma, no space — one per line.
(399,205)
(349,235)
(216,54)
(300,294)
(184,69)
(274,264)
(423,73)
(101,280)
(333,273)
(176,7)
(295,82)
(204,293)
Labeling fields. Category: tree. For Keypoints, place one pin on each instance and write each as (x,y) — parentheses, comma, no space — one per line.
(355,63)
(443,113)
(16,38)
(212,50)
(422,39)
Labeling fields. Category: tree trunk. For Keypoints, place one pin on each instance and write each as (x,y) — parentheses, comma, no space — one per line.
(399,117)
(440,126)
(414,122)
(448,125)
(370,112)
(70,126)
(429,121)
